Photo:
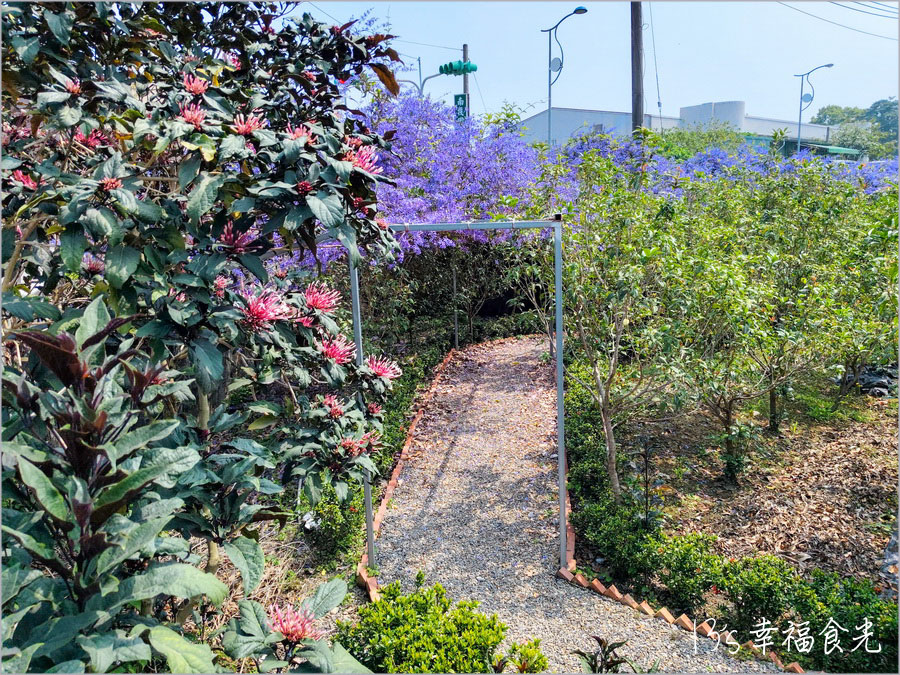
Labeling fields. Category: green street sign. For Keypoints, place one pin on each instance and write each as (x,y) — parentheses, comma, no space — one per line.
(462,107)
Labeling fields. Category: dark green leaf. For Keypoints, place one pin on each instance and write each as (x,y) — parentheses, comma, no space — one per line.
(121,262)
(247,556)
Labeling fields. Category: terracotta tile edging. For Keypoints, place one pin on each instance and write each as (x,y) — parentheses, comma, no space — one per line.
(363,578)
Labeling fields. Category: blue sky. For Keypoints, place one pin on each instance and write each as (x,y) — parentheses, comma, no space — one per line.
(706,51)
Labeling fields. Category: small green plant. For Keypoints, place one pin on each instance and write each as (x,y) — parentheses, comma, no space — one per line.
(620,533)
(422,632)
(527,657)
(334,529)
(604,659)
(687,567)
(758,587)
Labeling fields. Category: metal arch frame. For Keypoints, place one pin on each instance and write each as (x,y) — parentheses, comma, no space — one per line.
(556,225)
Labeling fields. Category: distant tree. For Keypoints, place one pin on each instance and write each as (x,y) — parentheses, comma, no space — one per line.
(838,114)
(685,142)
(865,136)
(883,114)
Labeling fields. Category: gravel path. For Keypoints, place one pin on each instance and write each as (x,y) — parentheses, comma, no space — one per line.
(476,509)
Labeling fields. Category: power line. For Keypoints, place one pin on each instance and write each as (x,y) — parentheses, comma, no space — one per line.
(425,44)
(862,11)
(324,12)
(893,8)
(884,12)
(478,87)
(835,23)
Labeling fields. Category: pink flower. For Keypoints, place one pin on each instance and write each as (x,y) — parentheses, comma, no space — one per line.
(353,141)
(309,75)
(374,409)
(351,446)
(232,60)
(294,625)
(73,86)
(305,321)
(193,114)
(300,133)
(238,242)
(92,264)
(339,349)
(319,296)
(194,85)
(219,285)
(365,159)
(264,308)
(382,223)
(247,125)
(383,367)
(370,441)
(304,187)
(109,184)
(24,179)
(335,409)
(93,140)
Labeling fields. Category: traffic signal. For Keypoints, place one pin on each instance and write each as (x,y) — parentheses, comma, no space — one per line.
(457,68)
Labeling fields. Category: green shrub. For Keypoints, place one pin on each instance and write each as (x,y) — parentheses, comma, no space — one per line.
(758,587)
(338,526)
(423,632)
(619,534)
(849,602)
(687,567)
(527,657)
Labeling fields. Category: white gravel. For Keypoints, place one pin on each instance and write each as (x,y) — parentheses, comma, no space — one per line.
(476,509)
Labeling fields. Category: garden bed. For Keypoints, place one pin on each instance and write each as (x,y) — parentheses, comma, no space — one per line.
(822,494)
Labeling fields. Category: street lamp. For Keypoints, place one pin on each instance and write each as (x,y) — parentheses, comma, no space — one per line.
(806,98)
(555,65)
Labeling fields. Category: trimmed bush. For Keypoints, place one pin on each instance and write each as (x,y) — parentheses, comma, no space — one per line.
(760,587)
(849,602)
(687,567)
(618,533)
(423,632)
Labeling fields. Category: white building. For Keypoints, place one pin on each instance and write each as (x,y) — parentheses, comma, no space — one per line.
(568,122)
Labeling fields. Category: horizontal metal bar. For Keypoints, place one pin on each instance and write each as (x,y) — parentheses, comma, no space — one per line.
(480,225)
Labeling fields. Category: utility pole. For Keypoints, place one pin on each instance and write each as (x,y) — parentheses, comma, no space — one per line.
(466,77)
(637,68)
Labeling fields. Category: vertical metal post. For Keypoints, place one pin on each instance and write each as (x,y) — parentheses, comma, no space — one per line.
(560,400)
(466,78)
(549,88)
(800,114)
(357,338)
(455,314)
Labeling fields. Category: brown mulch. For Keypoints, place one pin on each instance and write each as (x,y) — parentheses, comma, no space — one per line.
(818,496)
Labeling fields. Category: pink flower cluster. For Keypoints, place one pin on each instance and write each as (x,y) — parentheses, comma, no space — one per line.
(339,349)
(295,625)
(27,181)
(365,159)
(335,409)
(73,86)
(374,409)
(92,264)
(319,296)
(193,114)
(93,140)
(353,447)
(261,310)
(110,184)
(384,367)
(247,125)
(219,285)
(195,85)
(238,242)
(300,133)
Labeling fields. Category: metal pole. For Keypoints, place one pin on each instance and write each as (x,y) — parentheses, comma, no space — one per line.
(549,87)
(466,77)
(419,58)
(455,314)
(357,338)
(560,400)
(800,114)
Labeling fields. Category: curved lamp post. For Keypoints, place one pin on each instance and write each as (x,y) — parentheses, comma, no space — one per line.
(806,99)
(555,65)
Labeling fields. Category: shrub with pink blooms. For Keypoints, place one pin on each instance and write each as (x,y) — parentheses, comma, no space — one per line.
(155,156)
